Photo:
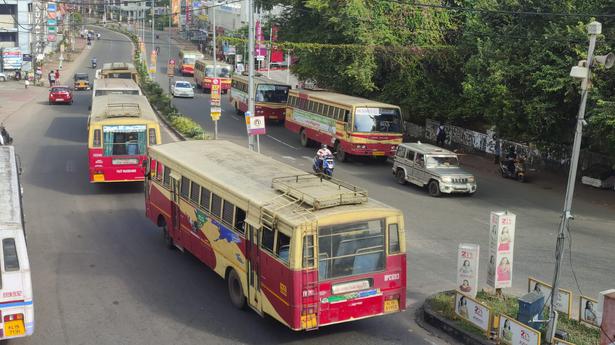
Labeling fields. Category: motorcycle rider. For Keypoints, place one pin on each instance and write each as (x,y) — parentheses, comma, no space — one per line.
(322,153)
(98,35)
(511,156)
(93,62)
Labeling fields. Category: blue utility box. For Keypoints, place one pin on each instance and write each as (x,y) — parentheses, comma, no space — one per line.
(530,308)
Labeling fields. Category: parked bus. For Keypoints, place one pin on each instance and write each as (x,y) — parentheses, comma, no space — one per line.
(270,96)
(16,307)
(119,70)
(305,250)
(204,72)
(120,129)
(187,58)
(352,125)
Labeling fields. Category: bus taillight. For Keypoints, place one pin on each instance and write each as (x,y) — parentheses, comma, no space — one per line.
(13,317)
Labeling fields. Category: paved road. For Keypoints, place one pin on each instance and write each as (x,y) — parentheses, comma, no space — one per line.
(100,270)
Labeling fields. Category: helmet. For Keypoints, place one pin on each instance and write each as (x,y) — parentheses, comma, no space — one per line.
(323,146)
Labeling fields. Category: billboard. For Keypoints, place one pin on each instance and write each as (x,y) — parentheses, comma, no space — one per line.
(11,58)
(467,268)
(501,246)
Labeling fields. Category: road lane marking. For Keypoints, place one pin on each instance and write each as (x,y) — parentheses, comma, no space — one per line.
(283,143)
(308,158)
(289,157)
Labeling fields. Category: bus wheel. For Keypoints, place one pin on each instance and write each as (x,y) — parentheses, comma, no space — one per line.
(339,153)
(305,141)
(168,240)
(235,290)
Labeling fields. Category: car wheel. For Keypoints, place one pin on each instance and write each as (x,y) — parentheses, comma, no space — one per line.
(434,188)
(235,290)
(50,102)
(401,176)
(2,79)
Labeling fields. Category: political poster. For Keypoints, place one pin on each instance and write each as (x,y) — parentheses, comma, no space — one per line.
(501,245)
(467,268)
(564,301)
(588,311)
(473,311)
(513,332)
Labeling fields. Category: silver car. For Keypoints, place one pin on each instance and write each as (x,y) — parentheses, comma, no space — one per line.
(432,166)
(182,88)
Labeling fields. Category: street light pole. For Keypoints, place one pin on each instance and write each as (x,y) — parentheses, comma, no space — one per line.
(250,68)
(583,73)
(153,47)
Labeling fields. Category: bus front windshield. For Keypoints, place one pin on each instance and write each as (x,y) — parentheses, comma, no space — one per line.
(350,249)
(387,120)
(272,93)
(189,60)
(124,140)
(221,72)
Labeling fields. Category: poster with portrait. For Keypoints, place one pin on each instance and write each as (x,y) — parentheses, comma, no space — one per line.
(467,268)
(588,311)
(558,341)
(606,303)
(513,332)
(564,302)
(501,246)
(472,311)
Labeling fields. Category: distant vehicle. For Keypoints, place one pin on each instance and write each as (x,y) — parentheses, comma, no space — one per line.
(60,94)
(431,166)
(81,81)
(3,77)
(182,88)
(119,70)
(204,73)
(270,96)
(305,250)
(352,125)
(114,86)
(120,130)
(16,304)
(187,58)
(325,167)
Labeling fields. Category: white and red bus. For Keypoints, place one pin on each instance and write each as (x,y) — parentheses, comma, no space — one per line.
(204,73)
(187,58)
(351,125)
(307,251)
(120,129)
(16,303)
(270,96)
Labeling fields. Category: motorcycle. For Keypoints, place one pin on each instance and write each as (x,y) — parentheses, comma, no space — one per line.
(327,166)
(94,64)
(519,171)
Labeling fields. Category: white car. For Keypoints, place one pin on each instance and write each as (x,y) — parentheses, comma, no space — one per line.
(182,88)
(3,77)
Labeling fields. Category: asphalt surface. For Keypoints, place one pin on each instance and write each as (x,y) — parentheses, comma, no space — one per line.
(102,275)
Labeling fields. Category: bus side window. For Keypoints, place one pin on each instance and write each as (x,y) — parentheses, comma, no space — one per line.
(267,239)
(216,205)
(9,250)
(228,211)
(393,239)
(184,189)
(240,218)
(166,180)
(152,136)
(308,251)
(195,191)
(205,194)
(346,116)
(96,141)
(283,247)
(159,169)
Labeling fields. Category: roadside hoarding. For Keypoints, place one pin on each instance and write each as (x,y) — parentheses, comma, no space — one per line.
(216,92)
(564,302)
(501,247)
(588,311)
(513,332)
(467,268)
(12,58)
(473,311)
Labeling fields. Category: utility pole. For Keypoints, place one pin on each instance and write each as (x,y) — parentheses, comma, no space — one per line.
(250,69)
(213,45)
(582,72)
(153,47)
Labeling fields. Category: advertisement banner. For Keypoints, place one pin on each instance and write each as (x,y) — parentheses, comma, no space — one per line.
(467,268)
(52,7)
(588,311)
(472,311)
(318,122)
(564,302)
(513,332)
(501,245)
(12,58)
(261,50)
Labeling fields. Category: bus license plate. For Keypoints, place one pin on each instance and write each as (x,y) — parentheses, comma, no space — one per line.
(14,328)
(378,153)
(391,305)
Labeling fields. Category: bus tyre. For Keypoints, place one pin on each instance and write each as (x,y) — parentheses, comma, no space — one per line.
(235,290)
(168,240)
(340,154)
(434,188)
(303,136)
(401,176)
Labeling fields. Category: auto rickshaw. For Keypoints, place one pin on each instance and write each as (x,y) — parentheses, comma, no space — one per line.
(81,81)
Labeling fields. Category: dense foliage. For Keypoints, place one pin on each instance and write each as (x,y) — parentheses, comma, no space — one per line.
(476,63)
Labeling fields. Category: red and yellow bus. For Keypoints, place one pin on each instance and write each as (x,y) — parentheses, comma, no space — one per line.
(270,96)
(119,70)
(187,58)
(120,129)
(307,251)
(204,73)
(352,125)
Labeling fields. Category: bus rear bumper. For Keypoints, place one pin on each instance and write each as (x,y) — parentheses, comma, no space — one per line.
(374,150)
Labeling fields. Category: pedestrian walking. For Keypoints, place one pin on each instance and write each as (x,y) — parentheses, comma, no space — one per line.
(440,135)
(57,76)
(52,78)
(26,83)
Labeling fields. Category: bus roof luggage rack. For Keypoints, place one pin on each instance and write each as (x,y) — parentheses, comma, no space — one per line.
(123,110)
(318,191)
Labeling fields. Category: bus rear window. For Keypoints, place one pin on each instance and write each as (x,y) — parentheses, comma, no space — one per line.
(9,253)
(124,140)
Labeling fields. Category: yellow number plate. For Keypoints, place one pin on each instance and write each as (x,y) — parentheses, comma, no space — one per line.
(14,328)
(378,153)
(391,305)
(99,178)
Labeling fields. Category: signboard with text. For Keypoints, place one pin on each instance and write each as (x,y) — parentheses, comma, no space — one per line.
(216,92)
(215,113)
(501,245)
(467,268)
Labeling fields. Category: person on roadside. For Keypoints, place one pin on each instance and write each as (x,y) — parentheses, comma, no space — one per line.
(441,135)
(26,83)
(57,75)
(52,78)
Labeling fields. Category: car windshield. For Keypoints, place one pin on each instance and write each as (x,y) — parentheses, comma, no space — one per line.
(221,72)
(442,162)
(272,93)
(189,60)
(183,85)
(81,77)
(59,89)
(387,120)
